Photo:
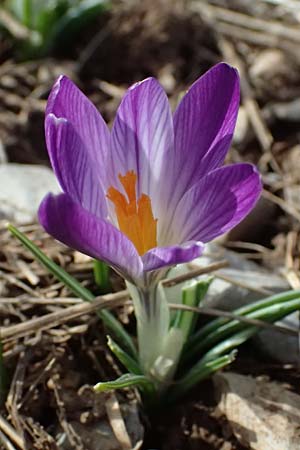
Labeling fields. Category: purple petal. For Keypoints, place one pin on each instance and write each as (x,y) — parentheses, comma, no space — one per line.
(203,124)
(77,228)
(217,203)
(72,165)
(159,257)
(142,135)
(68,104)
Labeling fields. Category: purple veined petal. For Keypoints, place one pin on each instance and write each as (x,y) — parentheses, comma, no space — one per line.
(72,165)
(204,122)
(142,135)
(160,257)
(143,141)
(67,102)
(69,223)
(217,203)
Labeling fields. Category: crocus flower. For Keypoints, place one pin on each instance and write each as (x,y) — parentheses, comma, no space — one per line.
(149,193)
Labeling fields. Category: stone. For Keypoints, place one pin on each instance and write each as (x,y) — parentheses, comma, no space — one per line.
(242,127)
(262,414)
(98,434)
(22,187)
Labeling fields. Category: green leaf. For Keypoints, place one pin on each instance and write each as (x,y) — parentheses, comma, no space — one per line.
(52,23)
(231,343)
(192,294)
(110,321)
(198,373)
(276,306)
(75,19)
(239,333)
(123,357)
(101,276)
(127,380)
(27,13)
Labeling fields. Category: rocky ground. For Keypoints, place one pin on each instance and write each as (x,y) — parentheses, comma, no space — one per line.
(48,402)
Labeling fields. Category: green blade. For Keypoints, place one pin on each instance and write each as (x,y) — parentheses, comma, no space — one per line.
(101,276)
(192,294)
(198,373)
(75,19)
(127,361)
(127,380)
(231,343)
(269,313)
(110,321)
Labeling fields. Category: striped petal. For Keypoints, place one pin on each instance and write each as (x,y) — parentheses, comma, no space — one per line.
(142,138)
(203,124)
(72,165)
(217,203)
(160,257)
(69,223)
(78,143)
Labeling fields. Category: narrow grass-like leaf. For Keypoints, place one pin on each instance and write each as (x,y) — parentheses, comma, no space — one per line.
(101,276)
(110,321)
(27,13)
(231,343)
(127,361)
(192,294)
(127,380)
(237,338)
(269,313)
(74,19)
(198,373)
(243,311)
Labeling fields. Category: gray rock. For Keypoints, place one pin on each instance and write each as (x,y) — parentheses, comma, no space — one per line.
(242,127)
(98,434)
(240,284)
(263,414)
(22,188)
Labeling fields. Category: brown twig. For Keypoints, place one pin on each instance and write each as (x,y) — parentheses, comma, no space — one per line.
(9,431)
(263,134)
(13,398)
(73,437)
(194,273)
(106,301)
(253,23)
(256,38)
(252,109)
(228,315)
(53,319)
(56,318)
(282,203)
(116,421)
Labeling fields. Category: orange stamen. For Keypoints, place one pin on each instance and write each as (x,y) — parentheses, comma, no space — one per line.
(135,218)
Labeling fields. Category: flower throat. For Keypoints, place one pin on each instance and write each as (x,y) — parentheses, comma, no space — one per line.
(135,216)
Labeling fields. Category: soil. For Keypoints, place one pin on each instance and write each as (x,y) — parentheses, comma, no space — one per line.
(49,372)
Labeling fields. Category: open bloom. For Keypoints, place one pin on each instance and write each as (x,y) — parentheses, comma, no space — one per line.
(149,193)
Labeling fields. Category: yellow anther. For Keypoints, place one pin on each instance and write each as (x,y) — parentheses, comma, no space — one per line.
(135,218)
